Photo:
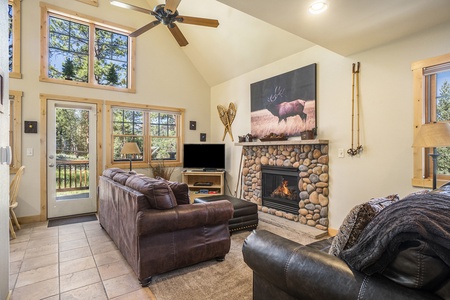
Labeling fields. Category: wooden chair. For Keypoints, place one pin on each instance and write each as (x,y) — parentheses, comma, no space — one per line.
(13,191)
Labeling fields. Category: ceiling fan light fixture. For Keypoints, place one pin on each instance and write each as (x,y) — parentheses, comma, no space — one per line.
(117,3)
(318,7)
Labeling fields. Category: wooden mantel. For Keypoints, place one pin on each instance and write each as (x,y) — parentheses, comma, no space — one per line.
(286,142)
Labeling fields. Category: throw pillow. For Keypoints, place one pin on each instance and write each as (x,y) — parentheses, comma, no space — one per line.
(179,189)
(356,220)
(158,193)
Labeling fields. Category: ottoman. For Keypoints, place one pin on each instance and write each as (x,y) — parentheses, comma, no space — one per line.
(245,214)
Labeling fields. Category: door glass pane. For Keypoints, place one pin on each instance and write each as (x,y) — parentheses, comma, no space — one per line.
(72,153)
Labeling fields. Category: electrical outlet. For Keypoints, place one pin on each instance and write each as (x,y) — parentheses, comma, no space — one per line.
(341,152)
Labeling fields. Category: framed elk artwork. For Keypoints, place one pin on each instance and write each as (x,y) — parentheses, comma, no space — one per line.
(284,104)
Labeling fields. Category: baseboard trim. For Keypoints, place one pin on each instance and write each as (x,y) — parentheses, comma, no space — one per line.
(332,231)
(30,219)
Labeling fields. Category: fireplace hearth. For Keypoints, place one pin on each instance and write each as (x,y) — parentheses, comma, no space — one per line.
(280,188)
(310,160)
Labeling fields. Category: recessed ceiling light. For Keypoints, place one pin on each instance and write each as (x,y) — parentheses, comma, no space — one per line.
(318,7)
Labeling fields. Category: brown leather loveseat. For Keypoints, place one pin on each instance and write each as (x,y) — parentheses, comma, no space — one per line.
(154,226)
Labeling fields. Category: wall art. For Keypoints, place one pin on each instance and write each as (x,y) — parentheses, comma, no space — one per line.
(284,104)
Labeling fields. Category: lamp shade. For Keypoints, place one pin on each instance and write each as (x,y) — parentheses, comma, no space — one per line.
(130,148)
(432,135)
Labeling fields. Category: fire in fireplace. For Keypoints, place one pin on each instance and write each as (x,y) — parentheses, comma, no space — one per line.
(280,188)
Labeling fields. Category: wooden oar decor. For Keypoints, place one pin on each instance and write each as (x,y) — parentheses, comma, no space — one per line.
(227,117)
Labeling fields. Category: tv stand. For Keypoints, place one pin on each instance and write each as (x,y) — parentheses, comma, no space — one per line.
(214,183)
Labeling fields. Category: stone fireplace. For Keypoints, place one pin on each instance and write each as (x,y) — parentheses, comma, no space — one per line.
(308,159)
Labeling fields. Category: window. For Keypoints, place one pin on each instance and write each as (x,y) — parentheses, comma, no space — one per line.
(128,126)
(15,129)
(432,104)
(163,135)
(83,51)
(14,38)
(156,130)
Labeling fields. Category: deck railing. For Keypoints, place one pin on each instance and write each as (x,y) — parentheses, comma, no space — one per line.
(72,175)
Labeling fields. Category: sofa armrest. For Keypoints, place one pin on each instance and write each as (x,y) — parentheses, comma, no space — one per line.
(152,221)
(306,273)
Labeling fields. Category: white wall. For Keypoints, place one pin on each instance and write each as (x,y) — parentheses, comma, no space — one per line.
(4,169)
(385,166)
(164,75)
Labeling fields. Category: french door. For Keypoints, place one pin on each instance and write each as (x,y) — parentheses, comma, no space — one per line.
(71,158)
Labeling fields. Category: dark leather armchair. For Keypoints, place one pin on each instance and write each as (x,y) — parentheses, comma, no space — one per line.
(283,269)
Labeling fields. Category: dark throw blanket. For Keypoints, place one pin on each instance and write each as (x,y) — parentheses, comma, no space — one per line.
(421,216)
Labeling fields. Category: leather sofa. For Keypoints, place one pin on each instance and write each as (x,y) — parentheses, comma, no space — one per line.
(411,241)
(154,226)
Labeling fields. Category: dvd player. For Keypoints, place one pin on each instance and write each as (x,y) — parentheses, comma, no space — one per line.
(202,183)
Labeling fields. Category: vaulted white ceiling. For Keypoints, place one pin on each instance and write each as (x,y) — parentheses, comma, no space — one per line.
(254,33)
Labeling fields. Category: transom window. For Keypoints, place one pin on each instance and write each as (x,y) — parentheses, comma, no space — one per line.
(432,104)
(157,132)
(86,52)
(14,38)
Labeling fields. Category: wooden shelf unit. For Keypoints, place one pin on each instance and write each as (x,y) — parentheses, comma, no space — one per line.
(216,178)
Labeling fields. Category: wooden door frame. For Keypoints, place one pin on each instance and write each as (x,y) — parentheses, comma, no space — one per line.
(44,98)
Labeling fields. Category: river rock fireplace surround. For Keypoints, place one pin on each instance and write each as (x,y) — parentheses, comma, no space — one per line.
(308,159)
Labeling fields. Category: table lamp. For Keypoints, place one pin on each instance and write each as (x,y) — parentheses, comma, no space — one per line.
(432,135)
(130,148)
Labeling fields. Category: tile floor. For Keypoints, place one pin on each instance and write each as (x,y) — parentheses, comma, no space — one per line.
(77,261)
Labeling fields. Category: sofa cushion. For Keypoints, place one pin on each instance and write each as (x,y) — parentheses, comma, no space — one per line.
(111,172)
(158,193)
(417,266)
(179,189)
(356,220)
(122,177)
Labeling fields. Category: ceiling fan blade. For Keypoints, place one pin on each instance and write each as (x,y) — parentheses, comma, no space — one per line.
(144,28)
(198,21)
(130,6)
(171,5)
(178,35)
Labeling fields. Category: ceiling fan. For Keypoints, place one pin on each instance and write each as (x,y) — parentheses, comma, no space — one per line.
(167,14)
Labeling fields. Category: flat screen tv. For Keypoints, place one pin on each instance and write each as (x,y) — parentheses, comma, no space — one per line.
(206,157)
